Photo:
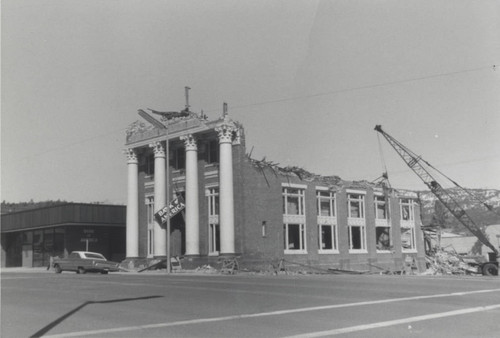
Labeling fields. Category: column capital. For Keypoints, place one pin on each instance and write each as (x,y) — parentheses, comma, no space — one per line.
(158,149)
(189,142)
(226,132)
(131,155)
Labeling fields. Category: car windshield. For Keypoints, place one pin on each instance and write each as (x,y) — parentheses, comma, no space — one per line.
(94,255)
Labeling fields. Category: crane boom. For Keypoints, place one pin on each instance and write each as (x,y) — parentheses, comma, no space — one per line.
(418,165)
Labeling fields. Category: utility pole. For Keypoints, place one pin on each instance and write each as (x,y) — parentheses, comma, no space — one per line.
(167,162)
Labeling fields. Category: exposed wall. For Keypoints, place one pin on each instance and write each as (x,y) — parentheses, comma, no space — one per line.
(262,201)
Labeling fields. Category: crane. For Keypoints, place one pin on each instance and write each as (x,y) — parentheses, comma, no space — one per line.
(422,168)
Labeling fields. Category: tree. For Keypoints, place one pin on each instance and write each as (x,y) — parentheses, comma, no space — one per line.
(440,217)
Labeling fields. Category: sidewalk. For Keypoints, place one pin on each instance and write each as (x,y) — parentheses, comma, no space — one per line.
(123,272)
(24,269)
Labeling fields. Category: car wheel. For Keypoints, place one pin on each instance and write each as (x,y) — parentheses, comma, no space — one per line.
(490,269)
(81,270)
(57,268)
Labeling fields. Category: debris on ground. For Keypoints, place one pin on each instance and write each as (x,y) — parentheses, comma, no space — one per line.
(207,268)
(441,262)
(351,272)
(229,265)
(385,271)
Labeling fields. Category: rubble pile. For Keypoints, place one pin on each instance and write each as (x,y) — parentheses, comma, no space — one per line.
(335,182)
(443,262)
(206,269)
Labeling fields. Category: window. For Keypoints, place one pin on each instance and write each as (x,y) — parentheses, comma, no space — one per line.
(326,203)
(212,152)
(380,207)
(356,205)
(327,222)
(149,166)
(213,201)
(383,237)
(213,239)
(150,243)
(356,223)
(327,237)
(59,241)
(179,160)
(213,221)
(407,209)
(294,235)
(150,206)
(408,238)
(357,237)
(94,255)
(38,248)
(293,201)
(294,219)
(382,226)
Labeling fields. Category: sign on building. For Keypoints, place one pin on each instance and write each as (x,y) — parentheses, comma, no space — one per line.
(176,206)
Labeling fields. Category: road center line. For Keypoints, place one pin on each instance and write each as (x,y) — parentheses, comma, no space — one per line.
(396,322)
(290,311)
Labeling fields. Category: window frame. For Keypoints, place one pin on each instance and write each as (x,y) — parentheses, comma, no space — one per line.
(302,249)
(382,224)
(360,199)
(212,149)
(356,196)
(149,165)
(332,212)
(408,225)
(150,221)
(362,232)
(298,191)
(288,193)
(213,209)
(334,239)
(410,204)
(213,204)
(213,239)
(377,202)
(179,158)
(324,194)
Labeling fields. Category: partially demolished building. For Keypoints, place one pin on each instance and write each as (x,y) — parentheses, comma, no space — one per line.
(254,209)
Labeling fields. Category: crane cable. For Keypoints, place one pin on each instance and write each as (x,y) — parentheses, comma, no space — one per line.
(382,159)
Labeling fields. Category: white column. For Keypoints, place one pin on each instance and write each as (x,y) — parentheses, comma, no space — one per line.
(159,232)
(226,196)
(192,207)
(132,231)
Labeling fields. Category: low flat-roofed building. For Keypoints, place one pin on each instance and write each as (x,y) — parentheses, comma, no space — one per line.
(30,237)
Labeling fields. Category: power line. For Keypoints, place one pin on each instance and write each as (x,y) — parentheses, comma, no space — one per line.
(338,91)
(345,90)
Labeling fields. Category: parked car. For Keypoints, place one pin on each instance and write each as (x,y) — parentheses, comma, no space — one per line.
(83,261)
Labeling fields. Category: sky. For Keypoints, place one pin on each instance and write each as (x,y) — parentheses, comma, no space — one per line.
(309,80)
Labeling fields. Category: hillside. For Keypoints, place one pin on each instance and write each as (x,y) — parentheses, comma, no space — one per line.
(479,214)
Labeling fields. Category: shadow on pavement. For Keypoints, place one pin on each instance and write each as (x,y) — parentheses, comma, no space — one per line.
(59,320)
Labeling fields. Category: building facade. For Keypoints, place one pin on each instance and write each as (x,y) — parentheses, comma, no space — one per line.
(256,210)
(29,238)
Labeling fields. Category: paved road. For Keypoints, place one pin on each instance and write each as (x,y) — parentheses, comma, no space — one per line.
(36,304)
